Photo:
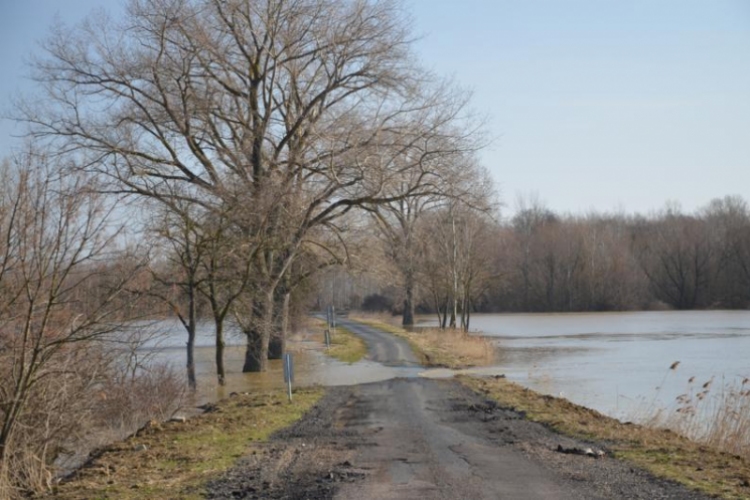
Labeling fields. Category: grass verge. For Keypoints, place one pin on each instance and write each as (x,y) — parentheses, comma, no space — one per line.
(345,346)
(175,459)
(440,348)
(662,452)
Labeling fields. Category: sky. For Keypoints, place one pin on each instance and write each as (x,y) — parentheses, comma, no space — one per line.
(592,104)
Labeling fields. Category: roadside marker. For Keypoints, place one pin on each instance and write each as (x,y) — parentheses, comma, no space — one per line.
(288,373)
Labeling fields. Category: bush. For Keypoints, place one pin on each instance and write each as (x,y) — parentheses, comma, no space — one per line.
(377,303)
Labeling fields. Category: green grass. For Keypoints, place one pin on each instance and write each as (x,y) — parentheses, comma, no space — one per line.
(181,457)
(345,346)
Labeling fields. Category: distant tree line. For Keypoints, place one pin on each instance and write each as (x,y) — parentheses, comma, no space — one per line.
(541,261)
(616,262)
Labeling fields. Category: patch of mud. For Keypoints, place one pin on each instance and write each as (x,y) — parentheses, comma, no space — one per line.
(309,460)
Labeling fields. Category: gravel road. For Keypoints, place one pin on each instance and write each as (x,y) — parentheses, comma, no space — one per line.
(417,438)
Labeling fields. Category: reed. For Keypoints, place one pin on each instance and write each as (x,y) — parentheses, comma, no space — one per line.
(711,412)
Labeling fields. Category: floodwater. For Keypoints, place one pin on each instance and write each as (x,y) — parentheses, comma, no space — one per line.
(166,343)
(616,363)
(619,363)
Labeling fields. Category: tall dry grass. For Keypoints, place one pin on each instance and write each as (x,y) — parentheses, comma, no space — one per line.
(712,412)
(84,400)
(452,348)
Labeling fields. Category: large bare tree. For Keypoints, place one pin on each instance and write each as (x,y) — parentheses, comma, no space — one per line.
(305,108)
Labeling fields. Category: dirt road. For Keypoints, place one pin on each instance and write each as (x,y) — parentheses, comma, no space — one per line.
(417,438)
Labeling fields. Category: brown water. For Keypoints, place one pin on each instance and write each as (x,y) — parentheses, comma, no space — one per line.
(311,365)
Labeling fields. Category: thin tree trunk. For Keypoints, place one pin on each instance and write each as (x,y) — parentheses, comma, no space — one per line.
(192,382)
(221,374)
(445,312)
(437,308)
(191,327)
(409,300)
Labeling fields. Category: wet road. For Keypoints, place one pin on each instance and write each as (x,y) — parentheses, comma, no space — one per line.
(382,347)
(424,441)
(420,449)
(420,438)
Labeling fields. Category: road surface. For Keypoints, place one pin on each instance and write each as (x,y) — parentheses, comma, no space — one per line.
(419,438)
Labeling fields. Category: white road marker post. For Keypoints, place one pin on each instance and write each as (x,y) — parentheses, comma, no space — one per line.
(333,320)
(288,373)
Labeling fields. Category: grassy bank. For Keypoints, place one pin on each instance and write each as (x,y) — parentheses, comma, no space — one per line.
(439,348)
(345,346)
(175,459)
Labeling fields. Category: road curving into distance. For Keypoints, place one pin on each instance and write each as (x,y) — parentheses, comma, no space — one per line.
(419,438)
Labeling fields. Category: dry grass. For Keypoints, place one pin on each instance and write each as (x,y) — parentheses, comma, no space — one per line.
(440,348)
(662,452)
(713,413)
(451,348)
(174,459)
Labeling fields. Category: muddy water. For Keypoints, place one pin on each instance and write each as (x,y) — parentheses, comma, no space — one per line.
(618,363)
(311,366)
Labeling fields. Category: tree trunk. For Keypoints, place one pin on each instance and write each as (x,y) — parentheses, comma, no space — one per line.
(468,314)
(192,382)
(445,313)
(191,327)
(409,300)
(454,311)
(259,335)
(437,308)
(221,374)
(255,360)
(277,345)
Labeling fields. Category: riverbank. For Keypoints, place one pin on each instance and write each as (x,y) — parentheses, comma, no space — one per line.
(659,451)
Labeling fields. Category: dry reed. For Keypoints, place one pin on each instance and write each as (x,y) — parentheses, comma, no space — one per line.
(717,415)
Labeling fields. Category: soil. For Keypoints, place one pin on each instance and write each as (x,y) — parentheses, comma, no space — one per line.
(417,438)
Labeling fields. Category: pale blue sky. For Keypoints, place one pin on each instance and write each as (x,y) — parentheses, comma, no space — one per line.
(598,104)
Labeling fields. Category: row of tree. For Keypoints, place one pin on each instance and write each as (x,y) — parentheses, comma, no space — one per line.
(221,153)
(253,133)
(538,261)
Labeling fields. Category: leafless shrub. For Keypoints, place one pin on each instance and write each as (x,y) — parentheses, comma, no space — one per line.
(56,317)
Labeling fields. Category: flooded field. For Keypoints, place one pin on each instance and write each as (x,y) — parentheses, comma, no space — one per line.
(619,363)
(311,366)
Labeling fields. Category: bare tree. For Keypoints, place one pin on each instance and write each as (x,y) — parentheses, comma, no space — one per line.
(178,273)
(55,235)
(729,222)
(676,255)
(309,108)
